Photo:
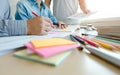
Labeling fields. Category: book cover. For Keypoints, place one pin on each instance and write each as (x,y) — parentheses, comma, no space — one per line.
(53,61)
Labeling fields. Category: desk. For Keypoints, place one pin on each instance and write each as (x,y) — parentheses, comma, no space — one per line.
(78,63)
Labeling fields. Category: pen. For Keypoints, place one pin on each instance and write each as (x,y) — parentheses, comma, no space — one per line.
(105,54)
(38,15)
(88,41)
(73,39)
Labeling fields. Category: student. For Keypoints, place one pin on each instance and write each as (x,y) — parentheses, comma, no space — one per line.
(26,7)
(63,9)
(9,27)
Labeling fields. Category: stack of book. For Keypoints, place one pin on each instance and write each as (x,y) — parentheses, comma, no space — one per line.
(49,51)
(107,31)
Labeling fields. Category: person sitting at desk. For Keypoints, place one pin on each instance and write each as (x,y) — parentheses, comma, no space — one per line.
(9,27)
(25,9)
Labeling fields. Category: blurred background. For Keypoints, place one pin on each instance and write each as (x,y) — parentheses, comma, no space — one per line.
(106,6)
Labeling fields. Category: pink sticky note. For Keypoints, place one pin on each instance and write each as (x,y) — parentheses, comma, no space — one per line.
(49,51)
(30,49)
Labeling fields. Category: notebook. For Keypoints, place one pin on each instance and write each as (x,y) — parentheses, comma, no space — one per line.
(40,43)
(53,61)
(50,51)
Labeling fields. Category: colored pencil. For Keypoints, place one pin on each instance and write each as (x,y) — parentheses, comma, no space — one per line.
(73,39)
(88,41)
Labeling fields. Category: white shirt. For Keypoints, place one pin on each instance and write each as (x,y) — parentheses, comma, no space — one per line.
(64,8)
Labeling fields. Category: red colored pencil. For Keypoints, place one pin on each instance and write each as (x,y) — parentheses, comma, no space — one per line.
(88,41)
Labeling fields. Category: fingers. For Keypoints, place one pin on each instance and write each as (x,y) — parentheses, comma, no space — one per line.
(38,25)
(48,20)
(63,26)
(87,11)
(43,32)
(46,26)
(47,29)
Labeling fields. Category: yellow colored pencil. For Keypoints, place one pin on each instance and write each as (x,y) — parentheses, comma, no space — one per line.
(103,44)
(115,45)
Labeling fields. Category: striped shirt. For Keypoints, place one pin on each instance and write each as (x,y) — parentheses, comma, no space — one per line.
(9,27)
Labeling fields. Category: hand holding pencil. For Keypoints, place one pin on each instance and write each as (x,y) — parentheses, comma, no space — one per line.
(38,25)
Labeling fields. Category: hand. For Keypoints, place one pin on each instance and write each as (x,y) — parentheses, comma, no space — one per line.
(38,25)
(62,25)
(86,11)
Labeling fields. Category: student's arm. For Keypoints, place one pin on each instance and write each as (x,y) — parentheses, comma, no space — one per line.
(48,3)
(53,18)
(9,27)
(35,26)
(83,6)
(60,24)
(21,12)
(12,27)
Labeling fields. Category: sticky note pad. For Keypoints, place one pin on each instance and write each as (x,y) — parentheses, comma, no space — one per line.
(53,61)
(50,51)
(50,42)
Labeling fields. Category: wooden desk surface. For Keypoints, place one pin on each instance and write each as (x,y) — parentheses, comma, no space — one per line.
(78,63)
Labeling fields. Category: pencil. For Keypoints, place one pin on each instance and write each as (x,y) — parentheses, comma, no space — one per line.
(80,40)
(73,39)
(115,46)
(35,14)
(103,44)
(88,41)
(108,41)
(115,43)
